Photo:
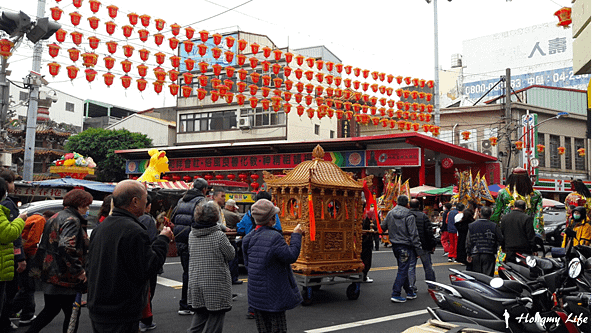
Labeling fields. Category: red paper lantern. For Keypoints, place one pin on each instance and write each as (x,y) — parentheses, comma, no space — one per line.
(145,20)
(320,76)
(320,64)
(253,101)
(144,54)
(77,3)
(329,66)
(73,54)
(56,13)
(216,52)
(133,18)
(309,88)
(564,17)
(253,62)
(390,78)
(319,90)
(167,177)
(519,146)
(175,28)
(160,74)
(229,56)
(188,46)
(60,35)
(242,73)
(466,135)
(176,60)
(253,89)
(229,41)
(415,127)
(407,80)
(76,36)
(298,73)
(108,79)
(299,60)
(125,81)
(217,38)
(93,21)
(375,75)
(142,70)
(241,86)
(365,73)
(53,68)
(90,74)
(186,91)
(176,178)
(494,142)
(89,59)
(174,88)
(240,99)
(127,30)
(158,85)
(94,42)
(265,91)
(255,77)
(266,79)
(53,49)
(242,45)
(217,69)
(109,62)
(141,84)
(173,43)
(110,27)
(540,148)
(72,71)
(300,110)
(189,64)
(189,32)
(288,57)
(310,62)
(581,151)
(158,39)
(94,6)
(128,50)
(112,11)
(201,94)
(430,84)
(75,18)
(187,178)
(143,34)
(173,75)
(203,35)
(126,65)
(160,24)
(265,104)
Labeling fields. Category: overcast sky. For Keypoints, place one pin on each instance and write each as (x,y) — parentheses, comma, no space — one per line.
(395,37)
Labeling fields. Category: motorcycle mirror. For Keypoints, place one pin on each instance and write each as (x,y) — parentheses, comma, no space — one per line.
(531,262)
(574,268)
(497,282)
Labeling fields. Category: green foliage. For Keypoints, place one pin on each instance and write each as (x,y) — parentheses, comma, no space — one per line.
(101,144)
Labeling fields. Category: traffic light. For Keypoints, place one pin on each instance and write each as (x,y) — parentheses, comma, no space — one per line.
(43,30)
(15,24)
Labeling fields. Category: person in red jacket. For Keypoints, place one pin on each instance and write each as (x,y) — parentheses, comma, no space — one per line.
(24,300)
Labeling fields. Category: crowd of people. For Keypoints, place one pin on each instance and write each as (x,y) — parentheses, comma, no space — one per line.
(118,265)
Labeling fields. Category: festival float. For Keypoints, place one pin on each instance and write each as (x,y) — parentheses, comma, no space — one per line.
(327,202)
(73,165)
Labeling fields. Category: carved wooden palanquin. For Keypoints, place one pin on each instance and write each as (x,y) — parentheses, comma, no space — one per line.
(338,210)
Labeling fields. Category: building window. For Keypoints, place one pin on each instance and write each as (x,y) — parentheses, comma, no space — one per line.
(568,158)
(332,134)
(579,160)
(317,129)
(69,107)
(542,156)
(207,121)
(554,157)
(260,117)
(23,95)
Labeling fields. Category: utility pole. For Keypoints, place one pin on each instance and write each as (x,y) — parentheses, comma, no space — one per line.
(508,119)
(33,104)
(436,95)
(4,91)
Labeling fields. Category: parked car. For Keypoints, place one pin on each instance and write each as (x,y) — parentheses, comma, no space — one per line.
(57,205)
(555,219)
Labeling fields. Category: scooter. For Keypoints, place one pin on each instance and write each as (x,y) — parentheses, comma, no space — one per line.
(478,282)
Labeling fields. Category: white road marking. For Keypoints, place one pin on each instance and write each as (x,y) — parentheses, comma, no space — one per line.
(367,322)
(168,282)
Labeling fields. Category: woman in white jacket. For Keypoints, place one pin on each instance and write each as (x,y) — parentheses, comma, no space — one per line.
(209,289)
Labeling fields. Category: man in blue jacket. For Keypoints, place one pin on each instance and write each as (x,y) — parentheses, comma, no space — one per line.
(483,240)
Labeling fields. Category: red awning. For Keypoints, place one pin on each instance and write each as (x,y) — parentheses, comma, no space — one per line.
(184,185)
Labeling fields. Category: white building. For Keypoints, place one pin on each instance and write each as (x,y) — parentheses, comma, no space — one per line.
(162,132)
(207,121)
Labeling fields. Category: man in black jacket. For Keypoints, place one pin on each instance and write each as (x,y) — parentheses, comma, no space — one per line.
(428,243)
(518,233)
(483,239)
(183,217)
(121,261)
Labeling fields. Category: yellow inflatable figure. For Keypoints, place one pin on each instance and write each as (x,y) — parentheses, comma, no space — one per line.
(159,163)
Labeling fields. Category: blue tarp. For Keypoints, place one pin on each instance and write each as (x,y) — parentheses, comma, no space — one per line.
(71,182)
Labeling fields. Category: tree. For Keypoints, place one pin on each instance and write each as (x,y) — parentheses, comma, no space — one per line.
(100,144)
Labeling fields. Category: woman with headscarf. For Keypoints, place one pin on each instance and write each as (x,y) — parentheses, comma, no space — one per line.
(272,288)
(60,259)
(209,288)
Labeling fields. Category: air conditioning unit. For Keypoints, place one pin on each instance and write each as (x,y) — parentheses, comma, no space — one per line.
(488,149)
(243,122)
(468,145)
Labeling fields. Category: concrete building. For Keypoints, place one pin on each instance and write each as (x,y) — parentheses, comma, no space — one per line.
(162,132)
(214,120)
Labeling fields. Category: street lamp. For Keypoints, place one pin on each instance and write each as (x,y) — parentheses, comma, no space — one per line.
(17,25)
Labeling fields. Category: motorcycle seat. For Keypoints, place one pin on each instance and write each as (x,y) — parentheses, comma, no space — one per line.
(492,304)
(479,276)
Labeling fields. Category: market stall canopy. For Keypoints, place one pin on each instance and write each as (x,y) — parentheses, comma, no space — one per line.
(71,182)
(441,191)
(495,188)
(421,191)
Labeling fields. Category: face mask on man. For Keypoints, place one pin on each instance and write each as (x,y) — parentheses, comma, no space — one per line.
(576,216)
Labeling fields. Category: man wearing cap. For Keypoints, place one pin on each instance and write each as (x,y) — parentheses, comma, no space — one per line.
(183,217)
(272,288)
(232,217)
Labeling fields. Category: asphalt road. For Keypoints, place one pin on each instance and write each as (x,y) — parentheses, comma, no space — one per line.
(331,310)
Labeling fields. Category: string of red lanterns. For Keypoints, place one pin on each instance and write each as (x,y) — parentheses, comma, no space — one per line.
(275,101)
